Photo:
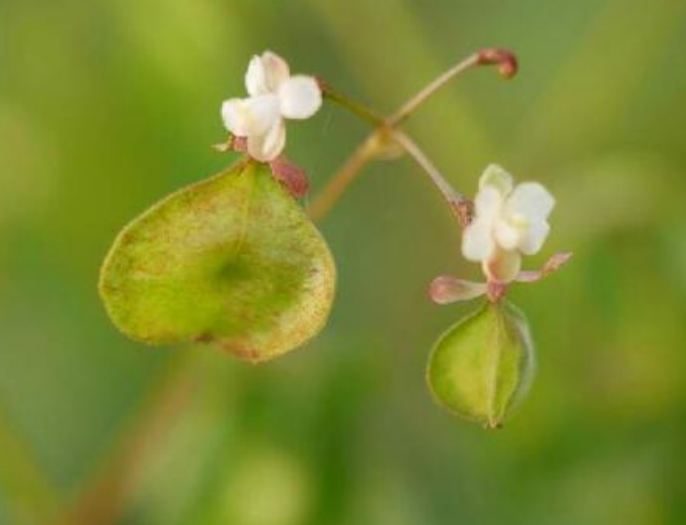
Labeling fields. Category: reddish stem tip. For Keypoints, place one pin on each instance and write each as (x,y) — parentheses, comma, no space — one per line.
(323,86)
(464,209)
(505,60)
(496,290)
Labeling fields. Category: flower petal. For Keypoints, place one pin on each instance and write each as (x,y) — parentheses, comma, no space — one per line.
(445,290)
(504,266)
(266,73)
(552,265)
(496,177)
(256,77)
(477,240)
(300,97)
(534,237)
(276,70)
(266,147)
(509,234)
(250,116)
(530,200)
(488,204)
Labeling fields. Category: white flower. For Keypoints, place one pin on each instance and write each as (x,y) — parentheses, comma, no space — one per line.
(274,96)
(508,222)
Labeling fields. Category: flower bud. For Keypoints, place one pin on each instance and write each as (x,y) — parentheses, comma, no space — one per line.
(482,367)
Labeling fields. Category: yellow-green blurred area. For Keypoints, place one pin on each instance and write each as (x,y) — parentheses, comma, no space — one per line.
(107,106)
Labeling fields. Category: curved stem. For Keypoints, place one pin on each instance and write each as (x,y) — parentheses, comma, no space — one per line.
(505,61)
(417,100)
(411,147)
(459,204)
(352,167)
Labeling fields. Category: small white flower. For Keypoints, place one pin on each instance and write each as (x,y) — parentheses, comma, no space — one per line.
(275,95)
(508,222)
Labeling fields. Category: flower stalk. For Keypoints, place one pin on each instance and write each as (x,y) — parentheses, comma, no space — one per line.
(503,59)
(362,111)
(459,204)
(387,132)
(333,191)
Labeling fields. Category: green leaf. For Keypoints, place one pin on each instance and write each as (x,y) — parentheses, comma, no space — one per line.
(482,367)
(232,260)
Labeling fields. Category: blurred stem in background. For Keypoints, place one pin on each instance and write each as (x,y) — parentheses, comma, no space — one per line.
(105,496)
(32,495)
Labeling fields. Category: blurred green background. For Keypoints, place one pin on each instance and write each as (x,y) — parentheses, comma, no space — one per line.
(107,106)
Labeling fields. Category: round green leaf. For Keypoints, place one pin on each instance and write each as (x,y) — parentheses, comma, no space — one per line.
(482,367)
(232,260)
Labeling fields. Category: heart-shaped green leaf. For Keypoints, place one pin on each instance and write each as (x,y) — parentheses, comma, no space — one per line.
(232,260)
(482,367)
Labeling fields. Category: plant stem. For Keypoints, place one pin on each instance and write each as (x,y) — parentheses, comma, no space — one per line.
(363,154)
(31,494)
(417,100)
(504,60)
(353,106)
(105,497)
(337,185)
(386,128)
(410,146)
(461,206)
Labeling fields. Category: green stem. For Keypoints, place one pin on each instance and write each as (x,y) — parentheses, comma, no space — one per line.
(354,107)
(386,133)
